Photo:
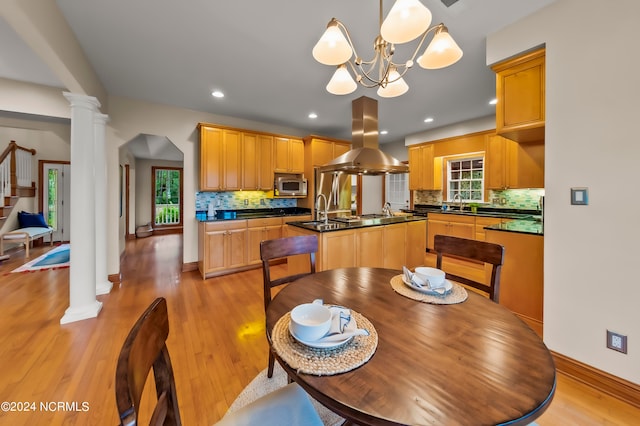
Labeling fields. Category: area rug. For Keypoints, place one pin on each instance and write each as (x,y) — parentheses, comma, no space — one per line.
(262,385)
(53,259)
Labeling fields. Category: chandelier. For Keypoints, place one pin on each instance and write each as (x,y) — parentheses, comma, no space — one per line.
(408,20)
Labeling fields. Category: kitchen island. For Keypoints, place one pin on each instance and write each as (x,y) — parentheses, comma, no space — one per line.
(373,241)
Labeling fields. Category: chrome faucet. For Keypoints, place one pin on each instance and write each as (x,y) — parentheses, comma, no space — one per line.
(320,213)
(386,209)
(459,198)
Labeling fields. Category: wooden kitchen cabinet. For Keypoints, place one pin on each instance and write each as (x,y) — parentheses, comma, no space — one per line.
(416,243)
(210,159)
(522,277)
(510,165)
(325,150)
(257,162)
(258,230)
(369,246)
(338,250)
(288,155)
(222,246)
(450,224)
(483,221)
(422,173)
(395,237)
(520,90)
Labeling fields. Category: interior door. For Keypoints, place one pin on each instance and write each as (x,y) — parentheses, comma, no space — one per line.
(55,199)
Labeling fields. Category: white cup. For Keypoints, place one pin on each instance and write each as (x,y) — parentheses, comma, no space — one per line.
(434,276)
(310,321)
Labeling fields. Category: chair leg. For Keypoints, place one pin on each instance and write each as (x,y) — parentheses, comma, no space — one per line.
(271,362)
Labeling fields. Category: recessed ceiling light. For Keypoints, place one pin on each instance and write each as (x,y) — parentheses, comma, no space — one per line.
(428,119)
(313,115)
(384,132)
(217,94)
(493,101)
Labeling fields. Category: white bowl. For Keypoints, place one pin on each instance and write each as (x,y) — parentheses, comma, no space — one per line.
(310,321)
(434,276)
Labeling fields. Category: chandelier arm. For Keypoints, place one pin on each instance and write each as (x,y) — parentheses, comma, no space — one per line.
(346,33)
(424,36)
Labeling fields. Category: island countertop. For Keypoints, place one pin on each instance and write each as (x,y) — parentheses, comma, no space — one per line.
(363,222)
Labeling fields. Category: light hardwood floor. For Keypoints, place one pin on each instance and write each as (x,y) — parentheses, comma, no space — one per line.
(217,343)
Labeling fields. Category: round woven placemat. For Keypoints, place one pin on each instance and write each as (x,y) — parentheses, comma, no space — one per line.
(324,362)
(458,293)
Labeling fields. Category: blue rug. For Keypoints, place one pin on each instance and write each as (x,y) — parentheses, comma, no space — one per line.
(56,258)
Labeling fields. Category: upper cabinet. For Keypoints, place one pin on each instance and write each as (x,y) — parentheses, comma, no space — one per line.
(289,155)
(520,87)
(236,159)
(421,168)
(512,165)
(324,150)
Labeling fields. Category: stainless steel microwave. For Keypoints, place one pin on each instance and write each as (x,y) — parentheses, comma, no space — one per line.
(290,186)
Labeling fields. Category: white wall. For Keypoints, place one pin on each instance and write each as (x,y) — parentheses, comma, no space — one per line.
(457,129)
(591,252)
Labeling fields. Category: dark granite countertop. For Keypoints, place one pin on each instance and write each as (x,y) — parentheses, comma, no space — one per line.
(522,226)
(320,226)
(222,215)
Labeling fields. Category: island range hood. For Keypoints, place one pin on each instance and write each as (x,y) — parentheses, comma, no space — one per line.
(365,157)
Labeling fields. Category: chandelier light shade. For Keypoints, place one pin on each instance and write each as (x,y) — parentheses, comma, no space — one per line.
(408,20)
(341,83)
(441,52)
(332,48)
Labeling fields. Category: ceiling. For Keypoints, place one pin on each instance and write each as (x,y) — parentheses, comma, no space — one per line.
(259,54)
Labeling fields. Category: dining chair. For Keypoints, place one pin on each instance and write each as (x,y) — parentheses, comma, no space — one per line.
(145,348)
(479,251)
(277,249)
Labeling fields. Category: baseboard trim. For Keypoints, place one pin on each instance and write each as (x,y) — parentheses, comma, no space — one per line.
(190,266)
(167,231)
(617,387)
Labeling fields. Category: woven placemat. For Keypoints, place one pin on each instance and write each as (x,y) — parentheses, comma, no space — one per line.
(324,362)
(458,293)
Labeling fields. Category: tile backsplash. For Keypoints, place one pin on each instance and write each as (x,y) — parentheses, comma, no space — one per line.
(235,200)
(526,199)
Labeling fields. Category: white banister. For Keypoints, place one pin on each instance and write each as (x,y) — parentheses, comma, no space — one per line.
(23,167)
(16,170)
(5,179)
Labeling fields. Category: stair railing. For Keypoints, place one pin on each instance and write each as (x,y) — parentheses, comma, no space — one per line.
(16,169)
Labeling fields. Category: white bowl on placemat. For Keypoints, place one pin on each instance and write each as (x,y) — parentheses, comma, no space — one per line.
(432,277)
(310,321)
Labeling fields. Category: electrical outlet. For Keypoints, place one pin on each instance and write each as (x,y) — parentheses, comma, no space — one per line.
(246,201)
(617,342)
(262,202)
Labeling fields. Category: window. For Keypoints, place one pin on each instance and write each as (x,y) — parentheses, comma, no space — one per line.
(466,177)
(397,190)
(167,199)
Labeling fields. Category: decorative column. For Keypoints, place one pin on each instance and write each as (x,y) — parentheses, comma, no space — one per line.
(82,268)
(103,285)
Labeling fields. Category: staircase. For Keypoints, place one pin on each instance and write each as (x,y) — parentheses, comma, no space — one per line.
(16,171)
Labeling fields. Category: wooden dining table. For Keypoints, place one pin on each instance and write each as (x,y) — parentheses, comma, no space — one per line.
(470,363)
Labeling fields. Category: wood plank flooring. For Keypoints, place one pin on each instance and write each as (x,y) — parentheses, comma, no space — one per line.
(217,343)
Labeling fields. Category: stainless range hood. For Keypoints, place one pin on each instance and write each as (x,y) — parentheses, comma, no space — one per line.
(365,157)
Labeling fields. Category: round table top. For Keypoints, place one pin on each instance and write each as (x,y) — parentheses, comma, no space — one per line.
(472,363)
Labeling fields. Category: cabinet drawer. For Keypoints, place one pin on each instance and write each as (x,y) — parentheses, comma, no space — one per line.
(448,217)
(225,226)
(264,221)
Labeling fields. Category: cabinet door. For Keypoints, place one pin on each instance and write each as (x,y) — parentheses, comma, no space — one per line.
(340,148)
(321,151)
(296,155)
(265,162)
(436,227)
(281,154)
(254,236)
(525,165)
(394,246)
(250,154)
(495,163)
(338,249)
(210,159)
(520,90)
(416,244)
(462,230)
(236,240)
(369,244)
(214,250)
(232,159)
(421,167)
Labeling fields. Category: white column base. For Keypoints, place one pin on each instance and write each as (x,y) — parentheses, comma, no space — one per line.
(103,288)
(80,313)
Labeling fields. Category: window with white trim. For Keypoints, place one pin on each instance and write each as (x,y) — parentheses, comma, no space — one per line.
(397,190)
(465,176)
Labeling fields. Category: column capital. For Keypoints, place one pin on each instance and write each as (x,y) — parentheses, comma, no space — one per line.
(84,101)
(100,118)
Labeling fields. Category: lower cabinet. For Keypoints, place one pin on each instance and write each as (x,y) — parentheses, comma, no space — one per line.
(450,224)
(369,244)
(222,246)
(258,230)
(416,243)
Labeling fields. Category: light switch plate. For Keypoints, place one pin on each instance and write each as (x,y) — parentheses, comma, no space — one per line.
(579,196)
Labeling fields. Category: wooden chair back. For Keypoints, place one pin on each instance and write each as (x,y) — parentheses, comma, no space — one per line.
(480,251)
(143,349)
(277,249)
